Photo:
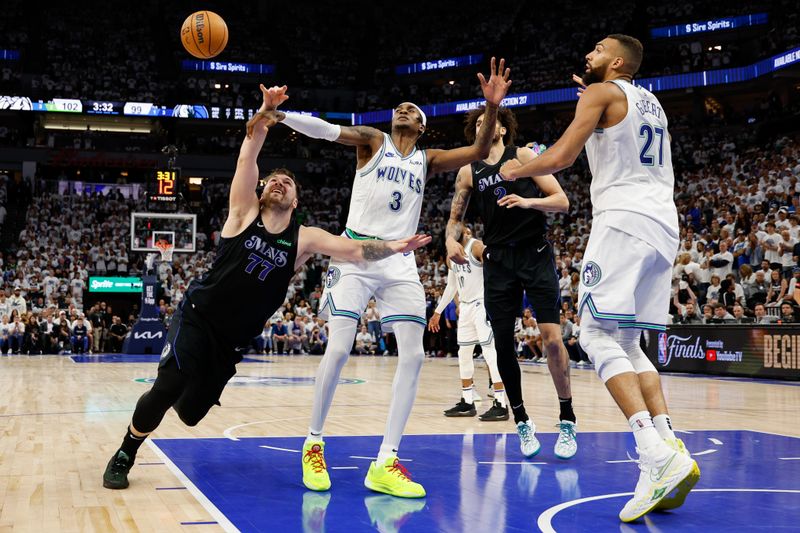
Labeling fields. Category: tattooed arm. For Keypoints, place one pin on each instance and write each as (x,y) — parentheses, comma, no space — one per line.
(455,225)
(318,241)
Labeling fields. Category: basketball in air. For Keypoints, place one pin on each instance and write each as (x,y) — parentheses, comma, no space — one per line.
(204,34)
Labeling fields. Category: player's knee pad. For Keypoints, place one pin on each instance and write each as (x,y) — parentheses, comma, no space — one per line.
(629,341)
(466,366)
(490,356)
(190,416)
(604,351)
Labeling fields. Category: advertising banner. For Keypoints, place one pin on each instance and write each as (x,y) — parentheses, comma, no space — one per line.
(769,351)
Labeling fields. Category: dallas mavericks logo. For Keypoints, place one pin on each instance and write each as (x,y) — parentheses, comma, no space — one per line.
(165,351)
(332,277)
(591,274)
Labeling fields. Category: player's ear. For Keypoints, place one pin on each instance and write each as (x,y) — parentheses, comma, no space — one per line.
(503,131)
(421,129)
(294,203)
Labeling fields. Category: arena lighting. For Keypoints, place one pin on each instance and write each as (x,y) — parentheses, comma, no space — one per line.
(689,80)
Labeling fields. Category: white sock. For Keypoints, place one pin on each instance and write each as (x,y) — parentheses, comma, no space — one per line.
(663,425)
(385,453)
(410,355)
(342,333)
(647,438)
(500,396)
(313,436)
(466,393)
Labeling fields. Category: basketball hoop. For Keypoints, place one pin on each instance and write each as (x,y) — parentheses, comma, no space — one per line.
(166,249)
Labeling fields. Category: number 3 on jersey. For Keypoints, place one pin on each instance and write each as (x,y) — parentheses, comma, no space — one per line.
(648,132)
(396,203)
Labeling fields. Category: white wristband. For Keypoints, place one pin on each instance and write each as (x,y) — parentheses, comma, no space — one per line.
(313,127)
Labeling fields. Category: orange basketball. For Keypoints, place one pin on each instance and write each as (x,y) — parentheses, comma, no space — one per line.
(204,34)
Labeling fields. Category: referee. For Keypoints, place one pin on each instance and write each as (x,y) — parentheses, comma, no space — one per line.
(517,258)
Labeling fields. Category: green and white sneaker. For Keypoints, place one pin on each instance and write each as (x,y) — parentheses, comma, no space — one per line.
(567,442)
(315,469)
(678,496)
(658,477)
(528,443)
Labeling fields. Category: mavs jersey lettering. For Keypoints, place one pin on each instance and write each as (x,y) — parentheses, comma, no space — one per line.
(632,177)
(503,226)
(387,193)
(246,284)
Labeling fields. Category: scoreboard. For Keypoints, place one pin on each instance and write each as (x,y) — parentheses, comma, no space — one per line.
(163,189)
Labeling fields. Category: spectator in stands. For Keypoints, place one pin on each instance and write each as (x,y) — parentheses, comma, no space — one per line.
(365,343)
(17,302)
(5,341)
(49,334)
(739,316)
(721,263)
(787,313)
(708,314)
(786,249)
(297,337)
(317,341)
(721,314)
(16,334)
(280,336)
(80,336)
(758,291)
(714,290)
(769,242)
(116,335)
(777,289)
(265,339)
(760,313)
(373,318)
(687,314)
(33,342)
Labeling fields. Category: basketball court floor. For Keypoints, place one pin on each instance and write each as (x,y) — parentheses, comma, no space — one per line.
(62,417)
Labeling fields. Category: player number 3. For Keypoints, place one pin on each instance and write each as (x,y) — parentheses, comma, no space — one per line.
(397,198)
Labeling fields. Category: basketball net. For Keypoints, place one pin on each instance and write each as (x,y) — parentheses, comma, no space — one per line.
(166,250)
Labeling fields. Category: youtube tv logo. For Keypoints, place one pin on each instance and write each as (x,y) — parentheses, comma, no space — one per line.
(711,355)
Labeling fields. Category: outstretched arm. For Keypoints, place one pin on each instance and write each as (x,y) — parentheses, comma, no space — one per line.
(243,201)
(554,200)
(563,153)
(318,241)
(317,128)
(455,225)
(494,91)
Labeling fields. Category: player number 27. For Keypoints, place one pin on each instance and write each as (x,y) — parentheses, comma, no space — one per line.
(648,133)
(257,260)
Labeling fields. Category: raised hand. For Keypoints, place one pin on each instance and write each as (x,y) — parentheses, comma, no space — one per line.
(273,97)
(409,244)
(496,88)
(263,119)
(577,79)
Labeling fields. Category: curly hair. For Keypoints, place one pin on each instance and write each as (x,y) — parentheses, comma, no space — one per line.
(504,115)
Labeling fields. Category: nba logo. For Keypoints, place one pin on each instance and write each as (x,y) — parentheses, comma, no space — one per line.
(662,348)
(711,355)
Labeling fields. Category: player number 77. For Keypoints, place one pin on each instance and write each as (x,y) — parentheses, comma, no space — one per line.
(255,260)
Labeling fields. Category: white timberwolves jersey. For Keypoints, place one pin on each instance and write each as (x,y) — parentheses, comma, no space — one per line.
(387,193)
(469,277)
(631,166)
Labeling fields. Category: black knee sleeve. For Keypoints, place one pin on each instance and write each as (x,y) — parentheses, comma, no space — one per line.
(153,404)
(507,364)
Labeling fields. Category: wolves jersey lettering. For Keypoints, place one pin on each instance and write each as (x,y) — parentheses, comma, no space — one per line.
(387,193)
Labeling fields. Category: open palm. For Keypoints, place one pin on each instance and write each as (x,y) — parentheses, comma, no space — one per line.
(496,88)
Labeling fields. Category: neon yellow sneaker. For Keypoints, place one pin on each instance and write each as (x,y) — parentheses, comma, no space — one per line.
(392,478)
(315,470)
(678,496)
